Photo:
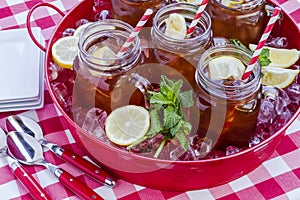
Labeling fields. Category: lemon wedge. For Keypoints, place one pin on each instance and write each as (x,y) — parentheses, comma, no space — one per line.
(225,67)
(278,77)
(176,26)
(64,51)
(125,125)
(282,58)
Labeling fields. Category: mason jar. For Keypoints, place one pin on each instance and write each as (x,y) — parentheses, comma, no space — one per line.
(243,21)
(97,77)
(228,108)
(190,48)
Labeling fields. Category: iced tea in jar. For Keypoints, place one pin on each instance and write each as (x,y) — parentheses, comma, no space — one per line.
(169,29)
(228,105)
(240,19)
(98,69)
(131,11)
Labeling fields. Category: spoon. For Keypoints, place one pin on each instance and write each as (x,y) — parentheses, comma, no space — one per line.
(27,150)
(29,126)
(35,189)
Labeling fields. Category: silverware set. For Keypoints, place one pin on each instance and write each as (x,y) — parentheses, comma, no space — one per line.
(23,144)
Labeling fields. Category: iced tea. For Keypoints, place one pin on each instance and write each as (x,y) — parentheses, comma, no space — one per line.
(229,108)
(131,11)
(97,67)
(244,21)
(190,47)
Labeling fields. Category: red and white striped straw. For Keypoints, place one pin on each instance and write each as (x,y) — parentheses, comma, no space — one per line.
(197,17)
(135,32)
(261,43)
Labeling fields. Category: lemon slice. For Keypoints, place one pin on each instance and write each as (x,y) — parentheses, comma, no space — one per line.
(282,58)
(195,2)
(176,26)
(81,28)
(278,77)
(64,51)
(105,53)
(231,3)
(125,125)
(225,67)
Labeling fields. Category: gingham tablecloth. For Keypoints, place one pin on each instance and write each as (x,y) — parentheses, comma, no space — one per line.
(276,178)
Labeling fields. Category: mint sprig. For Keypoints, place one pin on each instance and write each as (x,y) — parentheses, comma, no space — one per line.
(264,57)
(167,115)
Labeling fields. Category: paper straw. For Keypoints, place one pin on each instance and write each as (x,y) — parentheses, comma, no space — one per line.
(196,17)
(135,32)
(261,43)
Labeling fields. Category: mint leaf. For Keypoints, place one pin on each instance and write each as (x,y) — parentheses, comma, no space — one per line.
(183,141)
(182,128)
(170,117)
(167,92)
(237,42)
(159,98)
(155,124)
(177,87)
(186,98)
(165,80)
(264,57)
(170,88)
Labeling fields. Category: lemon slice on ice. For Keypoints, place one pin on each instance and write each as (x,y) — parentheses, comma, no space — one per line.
(64,51)
(282,58)
(278,77)
(125,125)
(176,26)
(225,67)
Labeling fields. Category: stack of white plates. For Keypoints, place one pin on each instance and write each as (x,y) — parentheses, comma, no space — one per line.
(21,71)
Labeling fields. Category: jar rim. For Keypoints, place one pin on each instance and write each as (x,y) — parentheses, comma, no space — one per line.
(249,5)
(185,7)
(107,23)
(209,84)
(105,65)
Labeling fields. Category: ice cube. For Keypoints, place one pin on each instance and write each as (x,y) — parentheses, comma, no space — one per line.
(266,112)
(254,141)
(68,32)
(81,22)
(231,150)
(94,123)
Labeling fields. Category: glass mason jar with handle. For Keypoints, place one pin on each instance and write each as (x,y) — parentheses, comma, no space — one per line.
(98,70)
(228,106)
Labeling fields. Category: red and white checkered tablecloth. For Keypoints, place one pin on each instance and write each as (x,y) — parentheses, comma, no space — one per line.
(277,178)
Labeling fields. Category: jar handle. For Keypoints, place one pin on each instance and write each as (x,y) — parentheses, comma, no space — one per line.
(28,25)
(140,82)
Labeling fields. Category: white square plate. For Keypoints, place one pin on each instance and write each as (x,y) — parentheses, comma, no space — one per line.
(19,68)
